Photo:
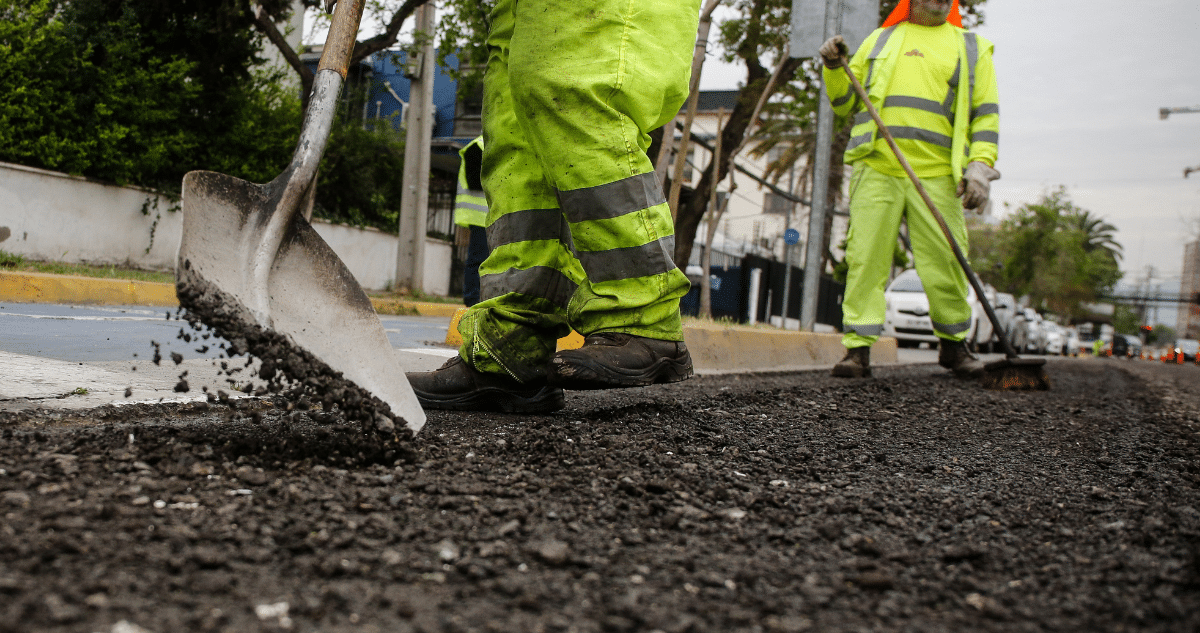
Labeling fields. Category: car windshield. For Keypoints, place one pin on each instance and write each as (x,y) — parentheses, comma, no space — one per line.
(907,282)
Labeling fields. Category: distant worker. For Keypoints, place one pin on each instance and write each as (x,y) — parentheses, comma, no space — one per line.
(935,88)
(579,228)
(1097,346)
(470,212)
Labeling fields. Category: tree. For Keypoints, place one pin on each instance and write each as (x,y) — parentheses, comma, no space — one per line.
(387,16)
(135,91)
(1044,250)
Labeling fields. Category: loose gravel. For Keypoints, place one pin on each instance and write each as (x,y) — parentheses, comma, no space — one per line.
(911,501)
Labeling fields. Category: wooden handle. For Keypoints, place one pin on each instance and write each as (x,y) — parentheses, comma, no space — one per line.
(343,33)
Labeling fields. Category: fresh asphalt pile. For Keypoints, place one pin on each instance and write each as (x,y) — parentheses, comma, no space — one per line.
(907,502)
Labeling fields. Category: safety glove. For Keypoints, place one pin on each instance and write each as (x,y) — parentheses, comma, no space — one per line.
(833,50)
(976,184)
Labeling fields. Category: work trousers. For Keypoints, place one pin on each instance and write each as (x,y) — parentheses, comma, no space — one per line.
(877,204)
(580,231)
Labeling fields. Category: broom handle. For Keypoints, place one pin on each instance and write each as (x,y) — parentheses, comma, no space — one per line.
(937,215)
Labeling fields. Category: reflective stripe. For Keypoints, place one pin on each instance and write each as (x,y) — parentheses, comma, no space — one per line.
(985,109)
(529,226)
(862,117)
(986,136)
(629,263)
(948,105)
(538,281)
(864,330)
(844,99)
(861,139)
(917,134)
(612,200)
(875,52)
(953,328)
(882,41)
(972,60)
(463,204)
(916,103)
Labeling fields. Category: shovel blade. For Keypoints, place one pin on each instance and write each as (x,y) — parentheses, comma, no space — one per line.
(300,291)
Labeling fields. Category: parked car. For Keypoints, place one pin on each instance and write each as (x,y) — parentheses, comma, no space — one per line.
(1072,345)
(1119,346)
(1135,345)
(1188,347)
(1030,333)
(1005,307)
(907,315)
(1056,339)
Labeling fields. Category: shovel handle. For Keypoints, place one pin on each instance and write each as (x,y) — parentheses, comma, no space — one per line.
(937,215)
(339,44)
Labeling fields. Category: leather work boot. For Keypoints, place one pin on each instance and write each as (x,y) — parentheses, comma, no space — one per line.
(457,386)
(610,360)
(955,356)
(856,364)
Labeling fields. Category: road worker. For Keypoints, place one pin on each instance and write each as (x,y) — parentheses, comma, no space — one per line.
(579,228)
(934,86)
(470,212)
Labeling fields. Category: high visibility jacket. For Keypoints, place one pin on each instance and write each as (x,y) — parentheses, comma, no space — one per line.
(470,204)
(939,127)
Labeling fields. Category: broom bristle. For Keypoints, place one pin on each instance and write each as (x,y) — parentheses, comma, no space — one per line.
(1016,378)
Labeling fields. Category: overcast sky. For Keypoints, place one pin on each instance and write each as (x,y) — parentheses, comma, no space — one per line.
(1081,82)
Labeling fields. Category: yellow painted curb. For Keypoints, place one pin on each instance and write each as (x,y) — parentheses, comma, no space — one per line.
(727,349)
(46,288)
(574,340)
(419,308)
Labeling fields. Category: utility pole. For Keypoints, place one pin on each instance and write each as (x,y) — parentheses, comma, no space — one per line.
(414,206)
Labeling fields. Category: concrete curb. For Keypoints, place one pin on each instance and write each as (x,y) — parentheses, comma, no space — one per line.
(732,349)
(48,288)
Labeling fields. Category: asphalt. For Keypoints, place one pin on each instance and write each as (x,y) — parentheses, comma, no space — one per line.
(60,381)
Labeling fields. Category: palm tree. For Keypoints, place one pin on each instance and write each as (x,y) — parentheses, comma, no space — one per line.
(1098,234)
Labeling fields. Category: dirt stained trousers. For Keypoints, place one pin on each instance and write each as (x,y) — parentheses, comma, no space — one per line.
(877,204)
(580,231)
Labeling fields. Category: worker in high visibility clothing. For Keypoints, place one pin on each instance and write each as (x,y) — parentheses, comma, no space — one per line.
(470,212)
(934,86)
(579,228)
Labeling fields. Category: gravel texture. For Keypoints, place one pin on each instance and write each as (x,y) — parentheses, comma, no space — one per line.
(911,501)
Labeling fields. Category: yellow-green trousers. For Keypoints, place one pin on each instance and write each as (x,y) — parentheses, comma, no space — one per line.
(877,204)
(580,231)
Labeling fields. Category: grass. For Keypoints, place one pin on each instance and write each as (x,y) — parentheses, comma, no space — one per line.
(415,295)
(10,262)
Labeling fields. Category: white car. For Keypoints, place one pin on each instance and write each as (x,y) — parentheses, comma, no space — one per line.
(1056,340)
(907,316)
(1072,345)
(1006,312)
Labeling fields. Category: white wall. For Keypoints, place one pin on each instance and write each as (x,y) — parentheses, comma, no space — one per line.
(56,217)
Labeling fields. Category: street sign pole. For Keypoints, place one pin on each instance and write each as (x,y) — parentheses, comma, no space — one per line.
(813,22)
(820,189)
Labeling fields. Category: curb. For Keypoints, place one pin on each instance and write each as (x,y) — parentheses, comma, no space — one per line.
(732,349)
(49,288)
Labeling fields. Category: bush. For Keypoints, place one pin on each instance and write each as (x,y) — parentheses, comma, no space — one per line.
(361,177)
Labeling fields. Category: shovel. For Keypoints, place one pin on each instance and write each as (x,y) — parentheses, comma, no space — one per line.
(252,268)
(1010,372)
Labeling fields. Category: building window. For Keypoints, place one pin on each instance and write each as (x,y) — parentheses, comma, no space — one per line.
(776,204)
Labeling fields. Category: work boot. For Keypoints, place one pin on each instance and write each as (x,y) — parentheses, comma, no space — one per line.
(957,357)
(459,387)
(856,364)
(610,360)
